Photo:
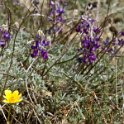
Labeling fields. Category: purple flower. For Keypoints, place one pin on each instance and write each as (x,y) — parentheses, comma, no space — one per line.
(56,12)
(51,3)
(106,42)
(91,57)
(38,37)
(38,47)
(2,43)
(78,28)
(45,43)
(120,42)
(60,10)
(91,42)
(96,30)
(44,54)
(4,37)
(56,16)
(83,27)
(34,53)
(89,39)
(122,33)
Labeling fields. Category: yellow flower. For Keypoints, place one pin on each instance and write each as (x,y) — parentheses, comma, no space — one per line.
(12,97)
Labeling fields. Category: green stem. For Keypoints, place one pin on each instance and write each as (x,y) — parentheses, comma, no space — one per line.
(8,118)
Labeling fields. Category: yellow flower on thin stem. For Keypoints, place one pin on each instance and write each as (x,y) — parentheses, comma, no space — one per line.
(12,97)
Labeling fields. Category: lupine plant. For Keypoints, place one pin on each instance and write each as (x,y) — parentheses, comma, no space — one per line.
(4,37)
(61,62)
(39,46)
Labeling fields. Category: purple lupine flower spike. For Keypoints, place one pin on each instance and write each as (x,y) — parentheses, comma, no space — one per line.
(39,45)
(90,39)
(4,37)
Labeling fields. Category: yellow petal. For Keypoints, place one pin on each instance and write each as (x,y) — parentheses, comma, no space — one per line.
(15,93)
(5,101)
(4,96)
(8,92)
(20,100)
(20,95)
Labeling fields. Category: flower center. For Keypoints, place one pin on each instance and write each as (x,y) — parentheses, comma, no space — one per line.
(12,99)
